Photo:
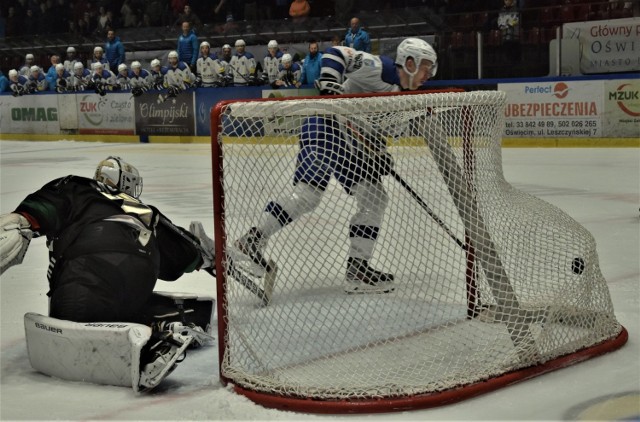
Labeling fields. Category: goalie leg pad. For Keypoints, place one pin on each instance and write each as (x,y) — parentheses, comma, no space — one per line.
(185,308)
(96,352)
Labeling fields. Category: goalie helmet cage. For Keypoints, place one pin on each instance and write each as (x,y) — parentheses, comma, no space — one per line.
(492,286)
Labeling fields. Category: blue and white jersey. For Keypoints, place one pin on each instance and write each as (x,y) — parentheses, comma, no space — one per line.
(158,77)
(179,76)
(38,82)
(290,76)
(80,80)
(211,70)
(25,70)
(106,77)
(124,81)
(359,72)
(105,63)
(62,82)
(243,68)
(141,80)
(19,86)
(68,64)
(271,65)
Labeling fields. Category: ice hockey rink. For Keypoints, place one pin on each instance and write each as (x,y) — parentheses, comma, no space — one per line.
(599,187)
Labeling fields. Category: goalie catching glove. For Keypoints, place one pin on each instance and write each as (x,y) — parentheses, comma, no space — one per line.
(15,235)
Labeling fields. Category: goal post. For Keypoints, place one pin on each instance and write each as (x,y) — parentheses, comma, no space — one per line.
(491,285)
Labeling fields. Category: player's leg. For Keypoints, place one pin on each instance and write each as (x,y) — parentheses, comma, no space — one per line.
(364,229)
(313,171)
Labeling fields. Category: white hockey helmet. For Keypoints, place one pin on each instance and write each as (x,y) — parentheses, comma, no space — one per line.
(97,65)
(173,54)
(34,69)
(29,57)
(240,43)
(122,67)
(98,49)
(59,66)
(13,73)
(155,63)
(71,50)
(135,65)
(117,173)
(418,50)
(78,66)
(272,44)
(286,58)
(226,47)
(204,43)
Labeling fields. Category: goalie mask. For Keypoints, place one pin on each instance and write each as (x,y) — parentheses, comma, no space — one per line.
(117,173)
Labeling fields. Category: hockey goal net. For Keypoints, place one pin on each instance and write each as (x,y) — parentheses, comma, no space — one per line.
(492,285)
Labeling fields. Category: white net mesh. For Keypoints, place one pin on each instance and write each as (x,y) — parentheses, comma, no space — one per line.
(487,279)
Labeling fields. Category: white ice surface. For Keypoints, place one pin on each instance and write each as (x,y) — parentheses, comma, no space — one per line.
(598,187)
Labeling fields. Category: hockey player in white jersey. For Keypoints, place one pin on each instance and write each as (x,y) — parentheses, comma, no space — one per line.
(140,79)
(179,76)
(243,66)
(37,80)
(102,80)
(289,73)
(70,59)
(98,57)
(17,83)
(328,147)
(25,69)
(158,73)
(63,81)
(123,79)
(81,77)
(271,63)
(210,71)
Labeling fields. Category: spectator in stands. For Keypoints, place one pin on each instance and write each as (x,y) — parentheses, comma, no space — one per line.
(299,10)
(343,9)
(271,63)
(4,82)
(13,27)
(104,22)
(289,73)
(188,46)
(157,11)
(128,13)
(86,25)
(509,26)
(51,72)
(114,50)
(188,16)
(25,69)
(98,57)
(30,24)
(311,65)
(356,37)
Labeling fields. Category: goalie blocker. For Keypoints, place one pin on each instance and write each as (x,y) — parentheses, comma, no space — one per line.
(119,353)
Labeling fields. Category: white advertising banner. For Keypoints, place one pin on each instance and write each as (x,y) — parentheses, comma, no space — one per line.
(608,46)
(112,114)
(36,113)
(622,108)
(553,109)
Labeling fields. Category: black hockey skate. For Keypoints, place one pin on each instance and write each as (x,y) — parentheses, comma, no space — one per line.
(251,245)
(361,278)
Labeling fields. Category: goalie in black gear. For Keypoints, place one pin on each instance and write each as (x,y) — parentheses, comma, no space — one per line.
(106,248)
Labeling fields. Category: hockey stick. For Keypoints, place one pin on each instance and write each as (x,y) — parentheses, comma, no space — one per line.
(426,207)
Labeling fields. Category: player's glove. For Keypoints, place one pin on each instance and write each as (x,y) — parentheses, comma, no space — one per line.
(198,81)
(207,248)
(328,87)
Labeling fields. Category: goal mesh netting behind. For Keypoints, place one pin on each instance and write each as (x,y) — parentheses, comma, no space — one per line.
(490,282)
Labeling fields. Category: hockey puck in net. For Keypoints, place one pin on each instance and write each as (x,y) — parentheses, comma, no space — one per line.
(577,266)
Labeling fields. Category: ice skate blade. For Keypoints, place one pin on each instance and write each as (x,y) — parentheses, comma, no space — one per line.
(365,289)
